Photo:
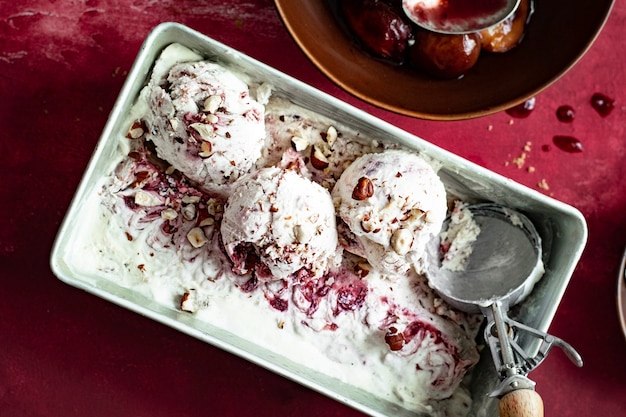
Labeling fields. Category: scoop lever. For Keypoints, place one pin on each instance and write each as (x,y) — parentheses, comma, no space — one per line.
(524,362)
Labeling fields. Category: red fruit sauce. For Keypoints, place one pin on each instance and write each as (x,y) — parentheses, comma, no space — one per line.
(602,104)
(568,143)
(565,114)
(522,110)
(455,10)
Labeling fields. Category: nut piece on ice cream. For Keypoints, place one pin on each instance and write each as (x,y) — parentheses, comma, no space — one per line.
(277,222)
(204,122)
(392,203)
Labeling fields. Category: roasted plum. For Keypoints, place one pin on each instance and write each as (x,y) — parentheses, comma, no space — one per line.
(384,30)
(444,56)
(380,26)
(507,35)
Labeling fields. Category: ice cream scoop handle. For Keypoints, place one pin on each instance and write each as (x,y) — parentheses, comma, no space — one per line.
(521,403)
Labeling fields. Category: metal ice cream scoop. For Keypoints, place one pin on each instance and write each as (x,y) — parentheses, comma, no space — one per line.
(502,268)
(458,16)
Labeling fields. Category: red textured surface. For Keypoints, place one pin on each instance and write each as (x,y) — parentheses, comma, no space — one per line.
(65,353)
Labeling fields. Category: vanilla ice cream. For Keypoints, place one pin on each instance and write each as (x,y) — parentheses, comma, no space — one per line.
(253,247)
(204,121)
(284,219)
(458,238)
(392,203)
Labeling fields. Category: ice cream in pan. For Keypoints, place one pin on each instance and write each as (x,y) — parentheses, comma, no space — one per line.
(287,227)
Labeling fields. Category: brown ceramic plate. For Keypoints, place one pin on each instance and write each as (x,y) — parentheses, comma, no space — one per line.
(558,35)
(621,294)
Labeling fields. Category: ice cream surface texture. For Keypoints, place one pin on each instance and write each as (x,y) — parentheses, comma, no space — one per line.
(251,249)
(393,204)
(204,122)
(458,238)
(287,220)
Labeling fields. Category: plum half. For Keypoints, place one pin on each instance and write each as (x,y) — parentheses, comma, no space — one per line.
(380,27)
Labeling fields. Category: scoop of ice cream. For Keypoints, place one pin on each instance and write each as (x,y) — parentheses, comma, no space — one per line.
(392,203)
(204,122)
(277,222)
(458,238)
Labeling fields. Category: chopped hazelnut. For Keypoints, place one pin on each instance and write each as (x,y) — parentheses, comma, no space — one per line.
(318,159)
(196,237)
(212,103)
(206,149)
(401,241)
(299,143)
(205,131)
(189,211)
(331,136)
(363,190)
(169,214)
